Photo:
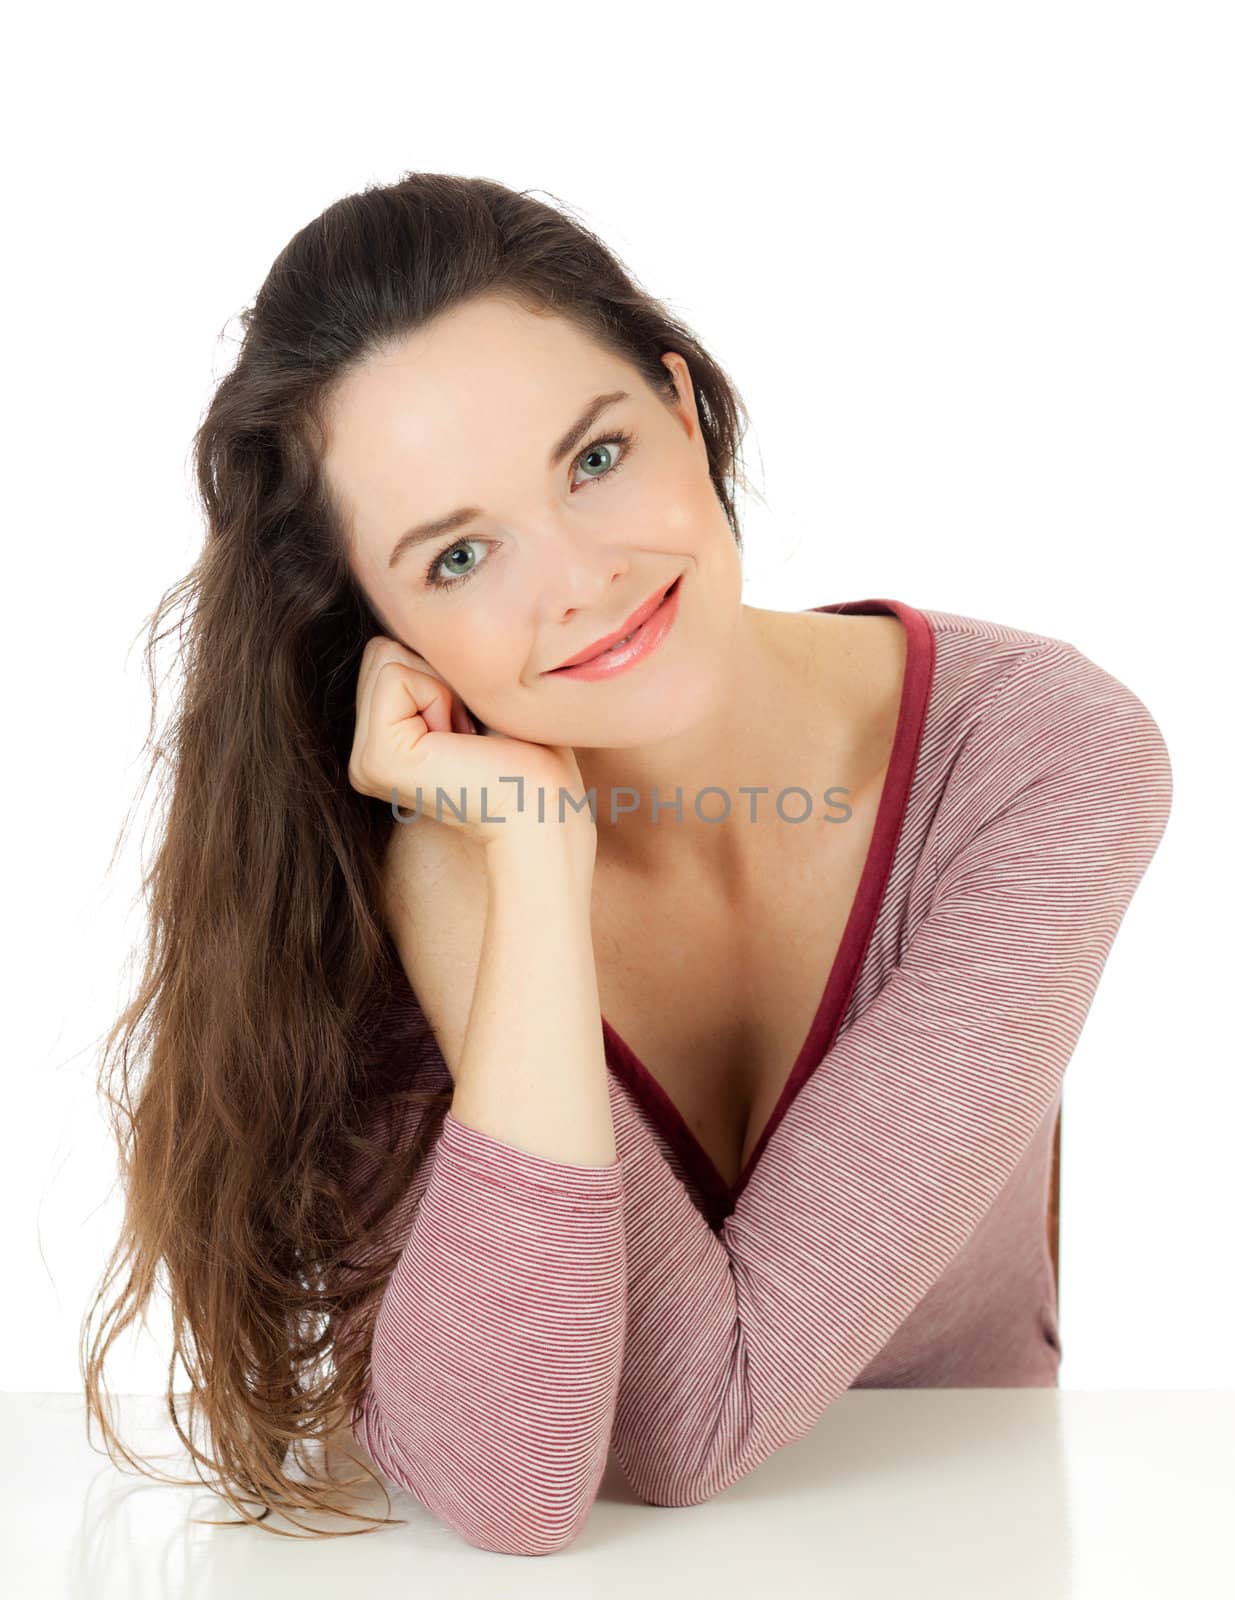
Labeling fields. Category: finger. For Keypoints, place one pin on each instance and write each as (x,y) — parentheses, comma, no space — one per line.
(405,707)
(378,652)
(461,719)
(451,721)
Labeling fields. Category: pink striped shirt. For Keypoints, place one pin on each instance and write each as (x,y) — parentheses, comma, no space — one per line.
(889,1229)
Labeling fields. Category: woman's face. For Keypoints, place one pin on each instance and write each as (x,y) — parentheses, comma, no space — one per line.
(550,554)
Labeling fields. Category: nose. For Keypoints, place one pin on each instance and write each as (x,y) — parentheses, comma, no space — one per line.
(577,576)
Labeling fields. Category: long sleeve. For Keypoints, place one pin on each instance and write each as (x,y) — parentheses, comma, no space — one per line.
(497,1348)
(896,1147)
(541,1313)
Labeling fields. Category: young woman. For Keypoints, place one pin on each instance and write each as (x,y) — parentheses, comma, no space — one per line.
(583,1011)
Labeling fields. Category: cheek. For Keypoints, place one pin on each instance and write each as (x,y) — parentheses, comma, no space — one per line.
(674,513)
(481,648)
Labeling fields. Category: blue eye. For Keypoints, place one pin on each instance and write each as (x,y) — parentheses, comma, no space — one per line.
(434,580)
(623,440)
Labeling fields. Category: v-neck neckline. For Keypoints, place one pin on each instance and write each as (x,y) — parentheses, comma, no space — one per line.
(919,672)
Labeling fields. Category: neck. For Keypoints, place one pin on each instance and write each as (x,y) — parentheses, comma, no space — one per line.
(780,715)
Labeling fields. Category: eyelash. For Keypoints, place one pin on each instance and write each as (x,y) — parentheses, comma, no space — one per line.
(626,441)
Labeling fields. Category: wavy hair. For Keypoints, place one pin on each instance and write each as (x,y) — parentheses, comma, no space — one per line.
(253,1081)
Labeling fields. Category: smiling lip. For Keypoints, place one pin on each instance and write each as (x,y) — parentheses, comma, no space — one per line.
(635,620)
(642,644)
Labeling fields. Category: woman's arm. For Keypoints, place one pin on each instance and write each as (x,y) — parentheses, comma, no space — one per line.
(496,943)
(435,890)
(895,1149)
(497,1348)
(532,1071)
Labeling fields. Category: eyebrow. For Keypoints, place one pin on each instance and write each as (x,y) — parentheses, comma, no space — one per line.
(456,519)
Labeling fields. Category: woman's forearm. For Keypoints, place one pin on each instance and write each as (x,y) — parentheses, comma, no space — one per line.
(532,1071)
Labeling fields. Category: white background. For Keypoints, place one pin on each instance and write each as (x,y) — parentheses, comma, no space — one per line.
(970,267)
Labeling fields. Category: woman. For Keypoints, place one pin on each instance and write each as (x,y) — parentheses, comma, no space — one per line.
(635,1054)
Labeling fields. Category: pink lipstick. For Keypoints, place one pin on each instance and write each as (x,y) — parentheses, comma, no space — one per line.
(629,649)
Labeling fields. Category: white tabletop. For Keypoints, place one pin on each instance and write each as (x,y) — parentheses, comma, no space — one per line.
(1017,1494)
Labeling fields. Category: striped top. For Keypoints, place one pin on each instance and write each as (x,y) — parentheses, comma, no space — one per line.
(889,1229)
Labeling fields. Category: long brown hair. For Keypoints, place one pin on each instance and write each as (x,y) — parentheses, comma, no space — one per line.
(267,971)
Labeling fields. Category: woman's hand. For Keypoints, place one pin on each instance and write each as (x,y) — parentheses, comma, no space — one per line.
(412,732)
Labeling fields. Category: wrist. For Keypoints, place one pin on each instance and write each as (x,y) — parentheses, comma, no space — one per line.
(566,848)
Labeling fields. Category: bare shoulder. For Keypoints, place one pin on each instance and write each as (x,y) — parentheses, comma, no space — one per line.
(872,645)
(857,666)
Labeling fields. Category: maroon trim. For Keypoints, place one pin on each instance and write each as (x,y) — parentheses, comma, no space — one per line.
(902,764)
